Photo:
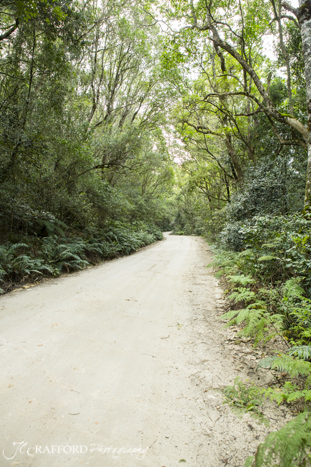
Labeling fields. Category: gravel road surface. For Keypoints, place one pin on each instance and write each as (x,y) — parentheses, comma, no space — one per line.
(121,365)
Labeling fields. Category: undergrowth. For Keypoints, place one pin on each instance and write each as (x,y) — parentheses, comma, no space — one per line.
(243,397)
(288,447)
(269,295)
(56,254)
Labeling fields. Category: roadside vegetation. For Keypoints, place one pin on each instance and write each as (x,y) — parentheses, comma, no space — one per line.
(268,293)
(53,255)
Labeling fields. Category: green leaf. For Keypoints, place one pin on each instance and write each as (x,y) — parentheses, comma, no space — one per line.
(267,258)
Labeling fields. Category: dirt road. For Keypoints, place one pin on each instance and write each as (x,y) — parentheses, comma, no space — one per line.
(121,365)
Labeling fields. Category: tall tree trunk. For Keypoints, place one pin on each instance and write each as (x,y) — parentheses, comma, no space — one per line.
(278,16)
(304,17)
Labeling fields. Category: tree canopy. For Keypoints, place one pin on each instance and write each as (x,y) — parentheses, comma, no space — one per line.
(90,91)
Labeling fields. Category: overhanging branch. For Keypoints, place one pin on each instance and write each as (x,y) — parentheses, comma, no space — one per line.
(9,31)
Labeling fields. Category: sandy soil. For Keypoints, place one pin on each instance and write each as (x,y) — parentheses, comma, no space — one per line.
(122,365)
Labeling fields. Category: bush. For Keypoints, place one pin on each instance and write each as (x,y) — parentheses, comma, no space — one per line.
(274,248)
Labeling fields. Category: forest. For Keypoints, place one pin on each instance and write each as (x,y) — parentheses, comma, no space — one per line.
(123,119)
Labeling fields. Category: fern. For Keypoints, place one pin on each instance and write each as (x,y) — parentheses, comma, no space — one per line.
(24,265)
(288,364)
(288,447)
(302,351)
(241,279)
(288,393)
(67,254)
(16,266)
(225,261)
(102,248)
(303,394)
(266,362)
(260,326)
(61,256)
(242,295)
(292,288)
(257,321)
(10,249)
(8,253)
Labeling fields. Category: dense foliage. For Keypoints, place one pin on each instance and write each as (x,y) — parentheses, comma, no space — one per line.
(84,165)
(53,255)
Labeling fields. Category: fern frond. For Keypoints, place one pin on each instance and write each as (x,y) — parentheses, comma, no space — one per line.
(242,316)
(290,446)
(274,394)
(242,295)
(296,395)
(266,362)
(287,364)
(278,321)
(241,279)
(256,325)
(18,245)
(229,314)
(301,351)
(292,288)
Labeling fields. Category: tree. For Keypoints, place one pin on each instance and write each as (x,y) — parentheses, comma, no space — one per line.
(81,103)
(235,37)
(303,14)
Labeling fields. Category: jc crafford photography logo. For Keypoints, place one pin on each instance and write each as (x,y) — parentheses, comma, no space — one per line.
(24,448)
